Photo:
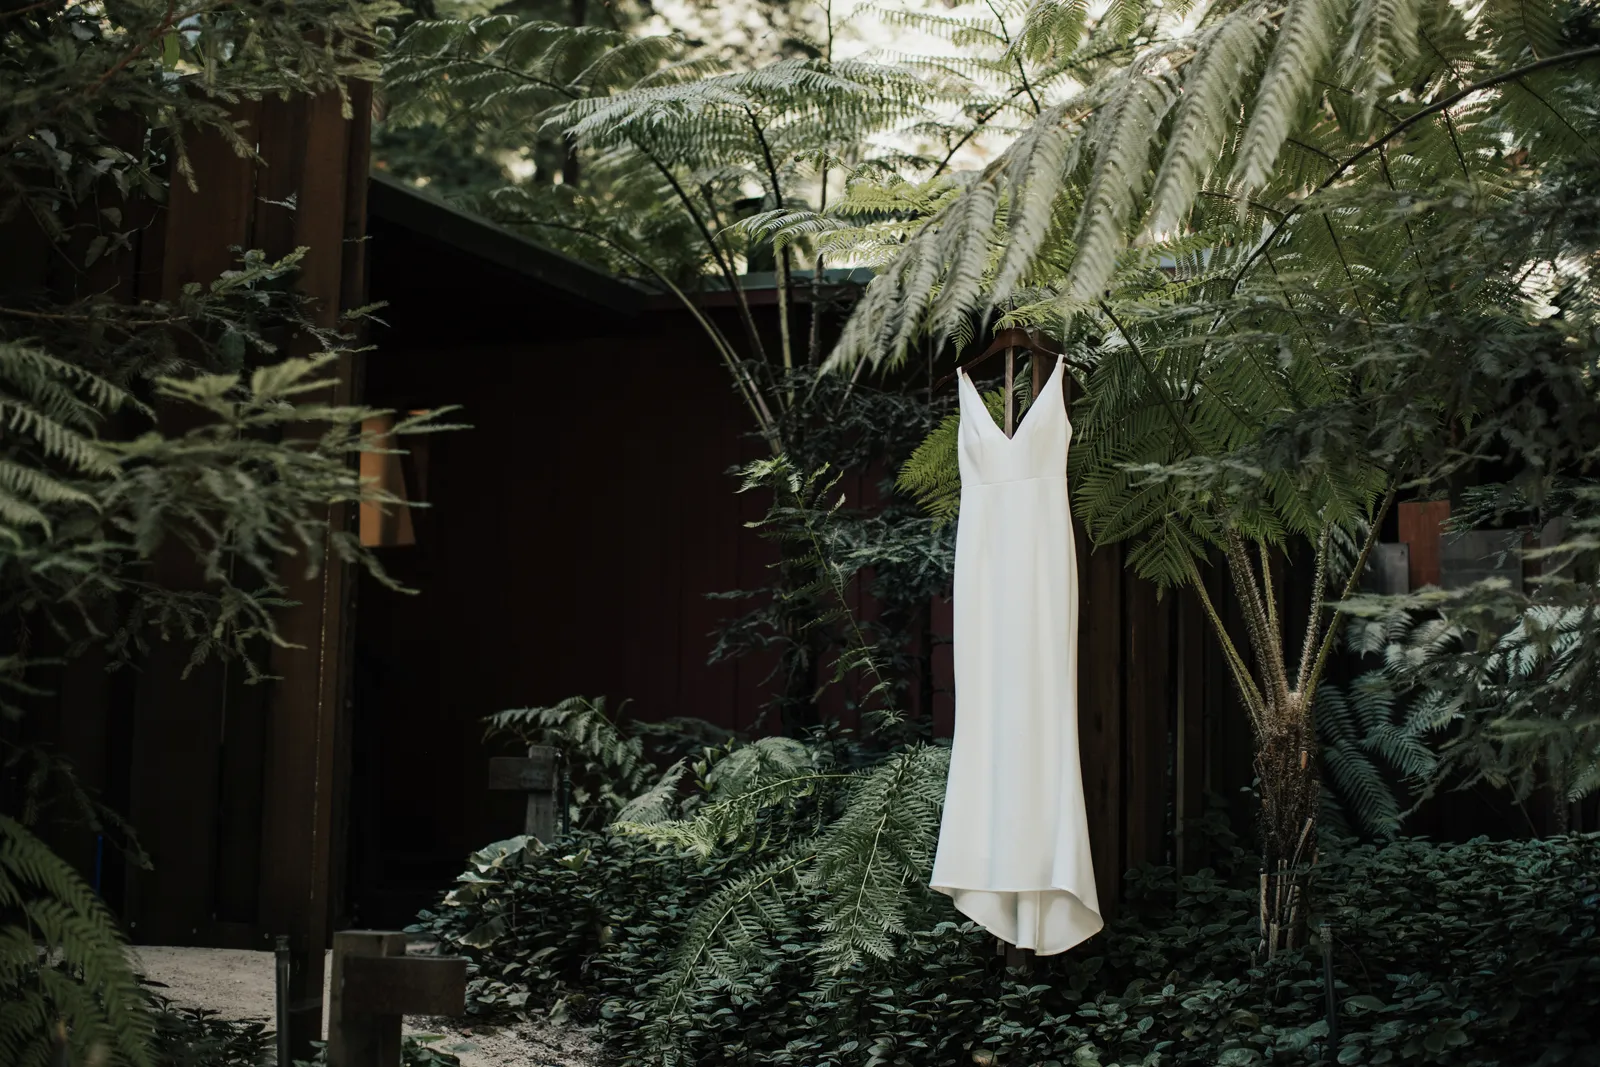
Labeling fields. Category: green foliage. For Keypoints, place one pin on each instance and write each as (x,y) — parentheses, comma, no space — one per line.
(68,75)
(1476,954)
(1238,118)
(684,166)
(1370,756)
(834,545)
(172,429)
(236,492)
(61,963)
(1502,681)
(820,569)
(609,760)
(198,1037)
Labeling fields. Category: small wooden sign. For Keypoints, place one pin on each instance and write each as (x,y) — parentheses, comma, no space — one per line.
(535,775)
(404,985)
(374,984)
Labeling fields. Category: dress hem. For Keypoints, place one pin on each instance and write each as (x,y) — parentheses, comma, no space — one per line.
(1099,920)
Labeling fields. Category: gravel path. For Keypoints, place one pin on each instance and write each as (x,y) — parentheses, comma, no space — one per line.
(238,984)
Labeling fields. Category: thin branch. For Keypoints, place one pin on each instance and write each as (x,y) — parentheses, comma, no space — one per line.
(1319,582)
(977,128)
(723,267)
(785,342)
(1248,691)
(169,20)
(1344,264)
(1022,71)
(818,270)
(1559,116)
(29,7)
(1309,684)
(1150,371)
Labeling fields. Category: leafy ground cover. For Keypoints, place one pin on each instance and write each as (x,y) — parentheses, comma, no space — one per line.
(1484,953)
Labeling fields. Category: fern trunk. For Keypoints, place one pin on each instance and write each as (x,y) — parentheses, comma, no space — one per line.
(1290,790)
(1279,700)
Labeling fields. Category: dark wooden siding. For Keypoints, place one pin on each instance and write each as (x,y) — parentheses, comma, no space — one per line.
(234,791)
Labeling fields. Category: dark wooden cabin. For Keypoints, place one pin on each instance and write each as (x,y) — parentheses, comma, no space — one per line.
(570,536)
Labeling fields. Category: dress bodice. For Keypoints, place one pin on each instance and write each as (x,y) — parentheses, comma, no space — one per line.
(1038,448)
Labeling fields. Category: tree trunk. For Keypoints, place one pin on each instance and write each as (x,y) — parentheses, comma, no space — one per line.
(1290,790)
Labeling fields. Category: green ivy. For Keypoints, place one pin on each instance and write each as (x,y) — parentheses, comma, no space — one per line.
(1484,953)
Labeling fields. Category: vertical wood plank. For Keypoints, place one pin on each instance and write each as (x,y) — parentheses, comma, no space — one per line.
(354,1041)
(83,736)
(352,294)
(242,742)
(1189,775)
(308,699)
(205,223)
(1148,704)
(1100,713)
(175,750)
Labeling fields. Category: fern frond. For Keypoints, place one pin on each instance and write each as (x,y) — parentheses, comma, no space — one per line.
(869,857)
(62,957)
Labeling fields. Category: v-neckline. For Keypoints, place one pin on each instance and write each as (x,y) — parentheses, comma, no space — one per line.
(1026,415)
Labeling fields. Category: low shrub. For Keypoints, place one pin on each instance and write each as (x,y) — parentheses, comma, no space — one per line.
(197,1037)
(1479,954)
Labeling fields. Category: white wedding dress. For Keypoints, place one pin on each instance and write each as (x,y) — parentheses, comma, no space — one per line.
(1014,841)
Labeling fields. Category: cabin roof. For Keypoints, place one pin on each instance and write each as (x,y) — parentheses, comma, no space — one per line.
(408,207)
(403,205)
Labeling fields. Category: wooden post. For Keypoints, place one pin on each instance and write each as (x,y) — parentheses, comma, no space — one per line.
(535,775)
(307,145)
(281,973)
(374,985)
(1420,525)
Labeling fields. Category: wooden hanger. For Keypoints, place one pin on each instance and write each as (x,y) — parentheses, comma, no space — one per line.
(1009,341)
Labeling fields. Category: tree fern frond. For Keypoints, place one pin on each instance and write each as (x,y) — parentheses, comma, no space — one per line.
(1214,80)
(1305,42)
(867,858)
(1124,132)
(82,976)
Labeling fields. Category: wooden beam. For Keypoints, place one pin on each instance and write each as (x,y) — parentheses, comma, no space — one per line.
(404,985)
(307,702)
(535,775)
(174,762)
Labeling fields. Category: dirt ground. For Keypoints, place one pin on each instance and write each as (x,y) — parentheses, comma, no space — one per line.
(239,985)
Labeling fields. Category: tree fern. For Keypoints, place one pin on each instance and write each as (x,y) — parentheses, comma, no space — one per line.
(1272,390)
